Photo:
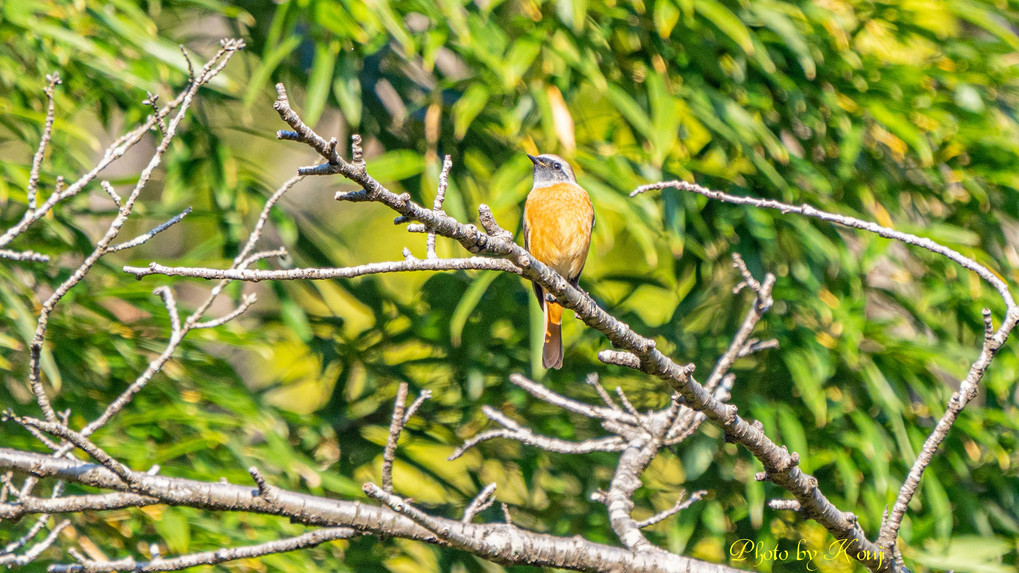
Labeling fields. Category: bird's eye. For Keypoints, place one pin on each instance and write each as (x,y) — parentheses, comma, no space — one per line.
(557,165)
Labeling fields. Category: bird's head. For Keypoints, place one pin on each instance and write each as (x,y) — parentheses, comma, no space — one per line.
(551,169)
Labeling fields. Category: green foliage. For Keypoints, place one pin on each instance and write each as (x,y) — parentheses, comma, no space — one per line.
(902,113)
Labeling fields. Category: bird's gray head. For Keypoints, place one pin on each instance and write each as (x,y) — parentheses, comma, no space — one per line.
(551,169)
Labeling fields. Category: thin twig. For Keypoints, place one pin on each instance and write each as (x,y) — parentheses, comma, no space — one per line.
(303,541)
(263,217)
(123,144)
(748,279)
(395,427)
(144,238)
(259,256)
(542,393)
(681,504)
(593,381)
(108,188)
(440,196)
(246,302)
(52,81)
(264,491)
(170,302)
(101,246)
(753,345)
(506,514)
(468,263)
(409,413)
(153,102)
(627,406)
(967,391)
(74,504)
(187,58)
(481,502)
(30,256)
(523,434)
(40,523)
(243,258)
(763,302)
(34,552)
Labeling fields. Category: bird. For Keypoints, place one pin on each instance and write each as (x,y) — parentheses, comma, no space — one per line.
(558,219)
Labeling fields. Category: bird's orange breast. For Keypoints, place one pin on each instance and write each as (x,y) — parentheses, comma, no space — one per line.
(558,221)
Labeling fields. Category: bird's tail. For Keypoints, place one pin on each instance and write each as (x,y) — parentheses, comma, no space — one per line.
(552,351)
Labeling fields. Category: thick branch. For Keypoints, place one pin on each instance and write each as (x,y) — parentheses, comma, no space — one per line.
(74,504)
(492,541)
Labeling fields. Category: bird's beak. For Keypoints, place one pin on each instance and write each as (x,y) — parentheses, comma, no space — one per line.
(533,159)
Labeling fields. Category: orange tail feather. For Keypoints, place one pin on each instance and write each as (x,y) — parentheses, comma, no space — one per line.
(552,351)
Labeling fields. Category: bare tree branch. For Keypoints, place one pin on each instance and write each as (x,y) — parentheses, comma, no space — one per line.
(967,391)
(739,342)
(170,302)
(515,431)
(103,245)
(303,541)
(118,148)
(30,256)
(246,302)
(80,442)
(395,427)
(145,237)
(153,101)
(413,408)
(639,437)
(34,552)
(483,501)
(681,504)
(468,263)
(53,80)
(968,388)
(544,394)
(74,504)
(593,381)
(989,276)
(492,541)
(440,196)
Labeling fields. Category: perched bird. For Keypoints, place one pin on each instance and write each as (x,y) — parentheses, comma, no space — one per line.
(558,218)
